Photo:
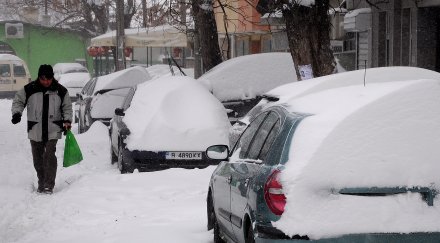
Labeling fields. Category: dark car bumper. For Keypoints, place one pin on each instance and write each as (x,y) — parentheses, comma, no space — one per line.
(147,161)
(273,235)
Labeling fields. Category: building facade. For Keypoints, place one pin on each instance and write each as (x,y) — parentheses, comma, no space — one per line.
(395,33)
(37,45)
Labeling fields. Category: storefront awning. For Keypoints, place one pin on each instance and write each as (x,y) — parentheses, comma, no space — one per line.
(159,36)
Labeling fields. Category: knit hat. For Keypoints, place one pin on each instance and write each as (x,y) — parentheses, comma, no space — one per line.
(46,71)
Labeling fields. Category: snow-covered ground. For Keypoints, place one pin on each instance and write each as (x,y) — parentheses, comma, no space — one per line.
(92,202)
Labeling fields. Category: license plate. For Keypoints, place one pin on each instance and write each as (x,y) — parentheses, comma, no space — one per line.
(184,155)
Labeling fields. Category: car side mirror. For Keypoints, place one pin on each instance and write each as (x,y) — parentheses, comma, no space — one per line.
(218,152)
(119,112)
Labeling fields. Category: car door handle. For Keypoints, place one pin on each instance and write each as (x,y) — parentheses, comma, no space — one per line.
(229,179)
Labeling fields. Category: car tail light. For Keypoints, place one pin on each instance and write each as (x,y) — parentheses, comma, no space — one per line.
(273,194)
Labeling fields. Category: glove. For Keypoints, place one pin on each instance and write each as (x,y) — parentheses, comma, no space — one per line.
(66,127)
(16,118)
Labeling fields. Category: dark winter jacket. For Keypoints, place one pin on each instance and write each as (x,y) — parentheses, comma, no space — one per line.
(47,109)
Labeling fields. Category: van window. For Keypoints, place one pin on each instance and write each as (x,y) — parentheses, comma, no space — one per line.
(5,70)
(19,70)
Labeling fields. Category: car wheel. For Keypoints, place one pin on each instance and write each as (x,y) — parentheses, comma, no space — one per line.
(250,235)
(217,230)
(122,167)
(212,222)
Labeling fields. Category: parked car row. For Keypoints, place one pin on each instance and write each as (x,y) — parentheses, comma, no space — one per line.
(332,160)
(101,95)
(349,157)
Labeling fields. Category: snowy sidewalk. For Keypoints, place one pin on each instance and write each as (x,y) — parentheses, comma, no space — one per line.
(92,202)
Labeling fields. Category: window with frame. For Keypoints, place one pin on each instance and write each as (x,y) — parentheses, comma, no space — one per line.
(5,70)
(19,71)
(265,135)
(246,138)
(91,88)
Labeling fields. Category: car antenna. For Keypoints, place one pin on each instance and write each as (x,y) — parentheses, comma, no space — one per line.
(365,73)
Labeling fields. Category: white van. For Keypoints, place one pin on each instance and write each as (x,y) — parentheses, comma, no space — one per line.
(14,74)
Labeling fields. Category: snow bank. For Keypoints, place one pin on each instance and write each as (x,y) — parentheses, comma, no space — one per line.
(175,113)
(381,135)
(248,76)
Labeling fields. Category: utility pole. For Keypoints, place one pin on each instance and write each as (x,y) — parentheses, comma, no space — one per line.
(120,43)
(144,13)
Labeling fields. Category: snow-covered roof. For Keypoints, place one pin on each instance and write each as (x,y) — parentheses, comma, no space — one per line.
(158,36)
(384,135)
(122,79)
(248,76)
(9,57)
(74,80)
(175,114)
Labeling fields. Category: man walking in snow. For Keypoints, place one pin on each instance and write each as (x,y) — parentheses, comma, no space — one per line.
(49,112)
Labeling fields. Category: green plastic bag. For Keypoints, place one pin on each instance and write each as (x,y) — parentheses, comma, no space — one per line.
(72,152)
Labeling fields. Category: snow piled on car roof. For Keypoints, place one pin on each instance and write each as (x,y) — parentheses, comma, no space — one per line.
(248,76)
(74,80)
(383,135)
(175,114)
(122,79)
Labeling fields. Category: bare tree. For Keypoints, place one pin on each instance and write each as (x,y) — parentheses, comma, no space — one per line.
(206,28)
(307,29)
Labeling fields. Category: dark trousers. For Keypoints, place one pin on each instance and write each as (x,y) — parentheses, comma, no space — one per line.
(45,162)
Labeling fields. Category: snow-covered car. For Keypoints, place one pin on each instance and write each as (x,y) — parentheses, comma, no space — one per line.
(14,74)
(74,83)
(62,68)
(239,82)
(285,92)
(93,104)
(167,122)
(334,163)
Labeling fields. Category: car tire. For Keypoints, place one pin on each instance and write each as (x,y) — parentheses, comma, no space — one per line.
(217,230)
(250,235)
(122,167)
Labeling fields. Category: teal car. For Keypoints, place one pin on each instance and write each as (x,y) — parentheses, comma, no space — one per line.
(245,195)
